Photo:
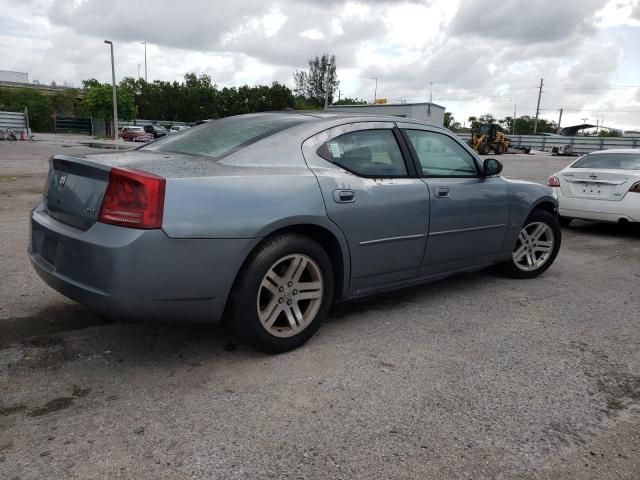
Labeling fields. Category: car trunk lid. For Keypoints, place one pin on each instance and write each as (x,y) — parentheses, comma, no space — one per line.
(74,190)
(597,184)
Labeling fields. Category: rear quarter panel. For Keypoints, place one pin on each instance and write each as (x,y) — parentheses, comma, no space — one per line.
(242,202)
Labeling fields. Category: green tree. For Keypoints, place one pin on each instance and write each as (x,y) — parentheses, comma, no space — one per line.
(312,84)
(98,102)
(609,133)
(66,103)
(448,119)
(349,101)
(38,104)
(487,118)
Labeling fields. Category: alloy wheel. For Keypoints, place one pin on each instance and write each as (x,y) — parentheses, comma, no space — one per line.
(290,295)
(534,246)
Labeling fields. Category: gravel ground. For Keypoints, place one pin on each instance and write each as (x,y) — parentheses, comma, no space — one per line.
(477,376)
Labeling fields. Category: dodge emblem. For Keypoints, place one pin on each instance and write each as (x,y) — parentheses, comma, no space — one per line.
(62,180)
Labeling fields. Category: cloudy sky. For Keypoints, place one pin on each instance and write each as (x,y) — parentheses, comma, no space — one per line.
(479,59)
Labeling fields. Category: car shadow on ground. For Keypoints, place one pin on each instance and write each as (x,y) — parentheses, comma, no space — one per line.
(81,332)
(617,230)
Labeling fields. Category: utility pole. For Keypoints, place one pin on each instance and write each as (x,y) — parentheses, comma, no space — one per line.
(535,124)
(513,120)
(327,86)
(146,79)
(113,82)
(375,91)
(559,122)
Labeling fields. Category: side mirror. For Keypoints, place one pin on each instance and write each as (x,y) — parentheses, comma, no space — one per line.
(491,167)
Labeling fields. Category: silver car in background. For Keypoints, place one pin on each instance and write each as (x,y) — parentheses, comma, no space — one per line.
(268,219)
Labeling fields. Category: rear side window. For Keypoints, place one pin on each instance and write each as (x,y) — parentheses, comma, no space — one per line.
(222,137)
(441,156)
(368,153)
(613,161)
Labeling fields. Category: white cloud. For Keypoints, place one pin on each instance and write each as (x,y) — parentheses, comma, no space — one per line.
(478,62)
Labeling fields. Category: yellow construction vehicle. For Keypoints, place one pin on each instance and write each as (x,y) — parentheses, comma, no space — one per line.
(488,137)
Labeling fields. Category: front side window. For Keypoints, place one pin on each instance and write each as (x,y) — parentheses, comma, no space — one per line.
(368,153)
(441,156)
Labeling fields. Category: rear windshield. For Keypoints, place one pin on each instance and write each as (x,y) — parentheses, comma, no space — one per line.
(222,137)
(613,161)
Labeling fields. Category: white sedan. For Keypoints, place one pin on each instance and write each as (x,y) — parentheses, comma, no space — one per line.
(601,186)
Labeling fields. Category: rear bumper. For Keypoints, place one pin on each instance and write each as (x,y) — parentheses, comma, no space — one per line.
(601,210)
(136,275)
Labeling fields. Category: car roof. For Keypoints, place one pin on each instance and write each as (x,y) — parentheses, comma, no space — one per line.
(317,118)
(617,150)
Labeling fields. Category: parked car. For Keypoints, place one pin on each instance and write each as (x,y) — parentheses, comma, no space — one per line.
(135,134)
(156,130)
(273,217)
(602,186)
(178,128)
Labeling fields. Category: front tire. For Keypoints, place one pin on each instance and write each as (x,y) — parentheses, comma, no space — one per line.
(283,293)
(537,246)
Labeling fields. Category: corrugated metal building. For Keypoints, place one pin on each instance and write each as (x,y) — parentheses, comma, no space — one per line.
(424,111)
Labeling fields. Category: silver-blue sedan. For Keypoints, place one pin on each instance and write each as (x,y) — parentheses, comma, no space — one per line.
(268,219)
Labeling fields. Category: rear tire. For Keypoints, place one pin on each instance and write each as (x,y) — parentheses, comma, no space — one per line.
(498,149)
(283,293)
(536,248)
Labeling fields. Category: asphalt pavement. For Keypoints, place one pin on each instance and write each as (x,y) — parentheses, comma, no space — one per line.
(476,376)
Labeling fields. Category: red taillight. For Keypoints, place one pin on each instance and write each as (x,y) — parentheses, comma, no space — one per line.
(635,187)
(133,199)
(553,181)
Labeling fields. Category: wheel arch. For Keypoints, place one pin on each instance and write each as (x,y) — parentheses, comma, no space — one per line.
(331,239)
(546,203)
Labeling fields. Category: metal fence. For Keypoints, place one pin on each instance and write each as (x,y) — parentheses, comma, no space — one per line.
(580,145)
(13,120)
(73,124)
(142,122)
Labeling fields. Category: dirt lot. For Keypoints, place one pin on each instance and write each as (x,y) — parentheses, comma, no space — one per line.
(477,376)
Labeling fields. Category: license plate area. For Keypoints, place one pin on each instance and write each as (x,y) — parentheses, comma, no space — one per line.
(50,250)
(592,189)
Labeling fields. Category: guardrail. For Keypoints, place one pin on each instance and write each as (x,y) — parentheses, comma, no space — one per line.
(580,145)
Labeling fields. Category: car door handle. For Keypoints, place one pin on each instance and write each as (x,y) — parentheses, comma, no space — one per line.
(442,192)
(344,196)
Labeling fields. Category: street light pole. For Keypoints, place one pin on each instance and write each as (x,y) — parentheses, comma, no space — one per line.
(115,104)
(326,86)
(513,126)
(146,79)
(375,91)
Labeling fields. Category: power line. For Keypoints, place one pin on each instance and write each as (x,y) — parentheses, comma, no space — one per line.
(604,87)
(591,110)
